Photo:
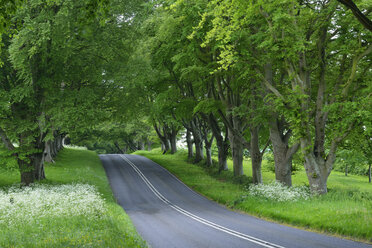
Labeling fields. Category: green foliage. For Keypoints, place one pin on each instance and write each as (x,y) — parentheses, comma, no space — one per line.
(208,106)
(7,161)
(61,67)
(352,160)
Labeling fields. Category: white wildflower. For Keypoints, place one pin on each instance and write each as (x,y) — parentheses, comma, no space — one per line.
(75,147)
(279,192)
(28,204)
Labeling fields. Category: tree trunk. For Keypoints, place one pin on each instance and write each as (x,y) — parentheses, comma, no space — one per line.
(369,173)
(206,131)
(47,152)
(196,133)
(234,123)
(190,150)
(59,144)
(317,174)
(208,152)
(27,172)
(256,156)
(173,141)
(318,167)
(279,137)
(53,148)
(237,154)
(149,144)
(222,156)
(283,154)
(283,170)
(283,164)
(38,163)
(120,150)
(31,170)
(199,155)
(166,145)
(346,170)
(163,138)
(141,145)
(222,142)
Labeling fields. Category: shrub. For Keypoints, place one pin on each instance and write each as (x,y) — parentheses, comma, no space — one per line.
(28,204)
(278,192)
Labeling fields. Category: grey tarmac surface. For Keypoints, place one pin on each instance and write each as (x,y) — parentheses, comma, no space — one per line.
(166,213)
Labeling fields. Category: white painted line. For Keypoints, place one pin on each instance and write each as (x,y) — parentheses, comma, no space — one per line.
(197,218)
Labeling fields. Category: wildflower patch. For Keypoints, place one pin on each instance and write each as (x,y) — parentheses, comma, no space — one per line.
(278,192)
(25,205)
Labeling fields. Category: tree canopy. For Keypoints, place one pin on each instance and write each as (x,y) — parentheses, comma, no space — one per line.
(252,77)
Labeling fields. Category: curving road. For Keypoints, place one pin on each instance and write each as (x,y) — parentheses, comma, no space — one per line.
(166,213)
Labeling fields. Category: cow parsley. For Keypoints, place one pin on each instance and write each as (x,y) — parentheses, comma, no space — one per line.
(75,147)
(20,205)
(279,192)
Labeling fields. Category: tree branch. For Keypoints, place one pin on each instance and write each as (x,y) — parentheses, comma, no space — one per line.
(354,68)
(335,142)
(367,23)
(287,135)
(8,144)
(266,146)
(234,131)
(270,87)
(292,150)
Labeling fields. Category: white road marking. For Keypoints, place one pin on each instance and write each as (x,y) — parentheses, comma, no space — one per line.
(197,218)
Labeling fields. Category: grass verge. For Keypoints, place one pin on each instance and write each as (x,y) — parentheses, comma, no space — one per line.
(113,228)
(345,211)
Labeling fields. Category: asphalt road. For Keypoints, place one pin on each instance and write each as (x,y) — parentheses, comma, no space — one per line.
(166,213)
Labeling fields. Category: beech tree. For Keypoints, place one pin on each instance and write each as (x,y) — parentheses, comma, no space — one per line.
(295,50)
(321,74)
(324,91)
(53,78)
(234,84)
(239,30)
(172,90)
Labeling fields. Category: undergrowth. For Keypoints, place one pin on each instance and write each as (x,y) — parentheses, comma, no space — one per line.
(73,207)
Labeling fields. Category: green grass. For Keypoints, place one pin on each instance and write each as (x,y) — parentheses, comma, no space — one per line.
(8,177)
(337,180)
(112,230)
(345,211)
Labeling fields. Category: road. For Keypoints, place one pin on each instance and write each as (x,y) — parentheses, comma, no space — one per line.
(166,213)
